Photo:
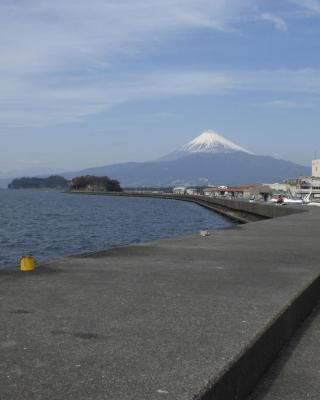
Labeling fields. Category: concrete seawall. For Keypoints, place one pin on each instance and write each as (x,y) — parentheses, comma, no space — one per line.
(184,318)
(238,210)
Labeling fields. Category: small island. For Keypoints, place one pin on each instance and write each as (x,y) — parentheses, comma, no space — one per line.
(87,183)
(56,182)
(90,183)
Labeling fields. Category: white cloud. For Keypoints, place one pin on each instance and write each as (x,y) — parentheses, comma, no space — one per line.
(286,104)
(278,22)
(61,35)
(42,105)
(311,5)
(57,60)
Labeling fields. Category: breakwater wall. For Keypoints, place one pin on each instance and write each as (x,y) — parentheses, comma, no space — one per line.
(239,210)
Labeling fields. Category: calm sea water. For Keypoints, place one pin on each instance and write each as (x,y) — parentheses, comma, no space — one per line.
(52,224)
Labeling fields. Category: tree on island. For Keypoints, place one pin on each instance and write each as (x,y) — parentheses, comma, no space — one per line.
(91,183)
(52,182)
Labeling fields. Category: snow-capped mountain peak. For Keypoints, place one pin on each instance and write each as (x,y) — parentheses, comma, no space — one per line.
(211,142)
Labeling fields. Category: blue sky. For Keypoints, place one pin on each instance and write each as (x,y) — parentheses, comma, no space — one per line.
(92,83)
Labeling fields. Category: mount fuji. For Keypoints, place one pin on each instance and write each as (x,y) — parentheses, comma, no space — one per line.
(209,142)
(208,159)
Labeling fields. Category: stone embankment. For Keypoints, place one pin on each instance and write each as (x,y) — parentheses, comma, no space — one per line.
(238,210)
(185,318)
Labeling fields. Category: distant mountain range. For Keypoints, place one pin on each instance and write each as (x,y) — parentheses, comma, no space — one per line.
(208,159)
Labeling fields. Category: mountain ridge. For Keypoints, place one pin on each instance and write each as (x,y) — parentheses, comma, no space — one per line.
(200,169)
(208,159)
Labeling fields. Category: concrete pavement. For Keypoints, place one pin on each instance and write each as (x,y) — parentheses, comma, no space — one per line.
(185,318)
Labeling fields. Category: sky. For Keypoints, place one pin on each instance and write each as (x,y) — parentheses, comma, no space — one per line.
(89,83)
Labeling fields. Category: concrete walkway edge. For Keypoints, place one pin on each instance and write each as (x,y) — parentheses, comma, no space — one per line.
(240,377)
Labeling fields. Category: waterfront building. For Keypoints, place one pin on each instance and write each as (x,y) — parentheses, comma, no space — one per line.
(304,185)
(179,190)
(239,192)
(300,187)
(316,168)
(278,187)
(259,192)
(191,191)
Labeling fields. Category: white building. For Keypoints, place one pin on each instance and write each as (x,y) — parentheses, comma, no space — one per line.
(304,185)
(179,190)
(316,168)
(191,191)
(278,187)
(300,187)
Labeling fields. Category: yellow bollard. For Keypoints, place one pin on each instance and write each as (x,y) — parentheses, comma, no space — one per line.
(27,263)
